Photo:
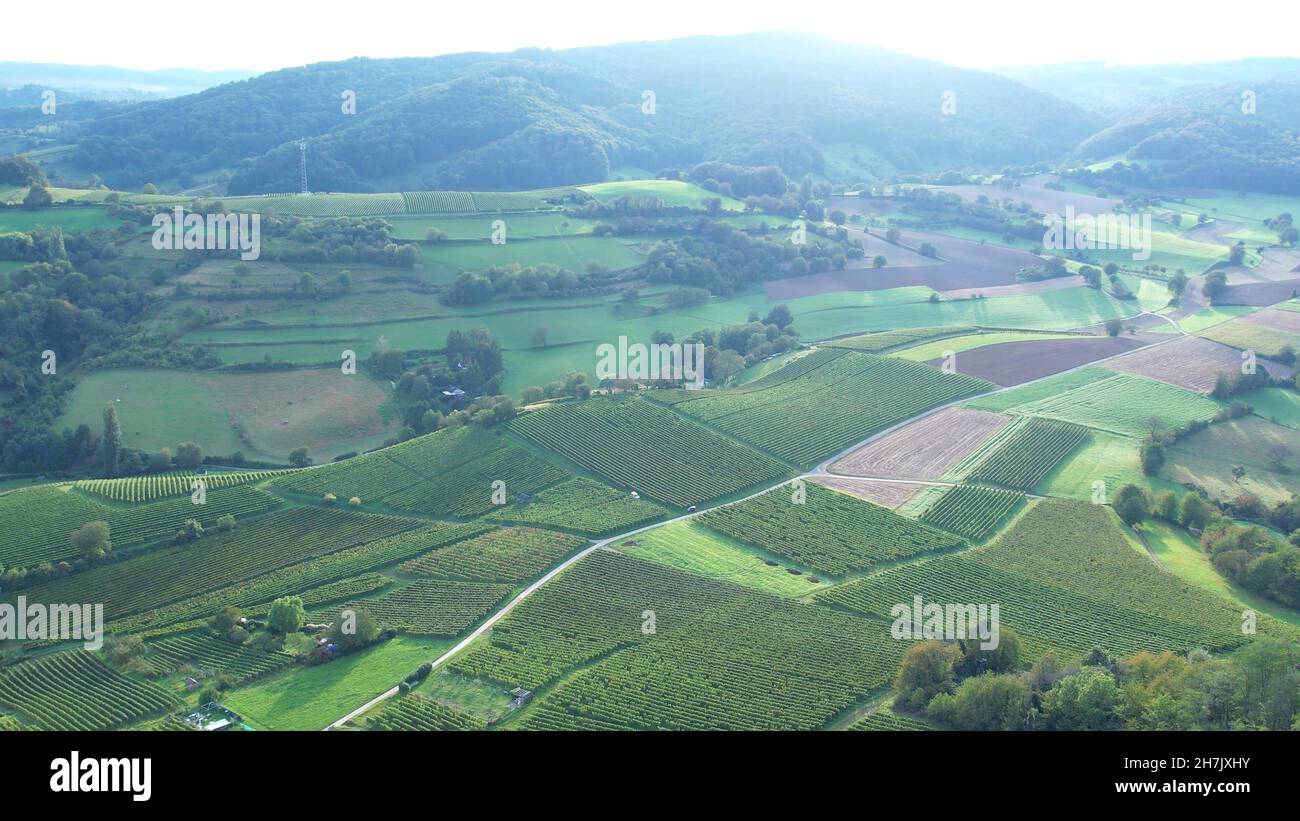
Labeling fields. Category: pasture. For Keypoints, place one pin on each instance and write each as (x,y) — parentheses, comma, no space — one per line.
(264,415)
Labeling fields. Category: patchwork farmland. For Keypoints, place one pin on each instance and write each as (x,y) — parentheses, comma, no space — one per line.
(380,476)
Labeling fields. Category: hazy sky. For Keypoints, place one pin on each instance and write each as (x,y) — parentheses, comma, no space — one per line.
(272,34)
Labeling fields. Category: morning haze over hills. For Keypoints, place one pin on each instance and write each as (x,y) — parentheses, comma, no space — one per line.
(643,386)
(536,118)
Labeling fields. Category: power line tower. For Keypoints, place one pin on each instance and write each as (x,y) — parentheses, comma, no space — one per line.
(302,167)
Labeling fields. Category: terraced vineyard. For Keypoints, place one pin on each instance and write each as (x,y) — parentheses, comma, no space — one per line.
(437,202)
(513,554)
(830,532)
(212,655)
(322,205)
(1025,453)
(468,489)
(889,721)
(428,607)
(74,690)
(972,511)
(584,506)
(448,473)
(642,446)
(1065,579)
(840,398)
(165,576)
(148,488)
(415,713)
(798,665)
(35,523)
(324,579)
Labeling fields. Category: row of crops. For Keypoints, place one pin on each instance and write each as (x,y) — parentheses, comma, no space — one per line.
(35,523)
(887,340)
(322,205)
(583,506)
(438,202)
(337,576)
(469,490)
(76,691)
(415,713)
(716,656)
(212,655)
(827,531)
(1065,579)
(794,369)
(591,609)
(1125,404)
(148,488)
(429,607)
(972,510)
(512,554)
(828,408)
(1025,452)
(170,575)
(887,720)
(645,447)
(448,473)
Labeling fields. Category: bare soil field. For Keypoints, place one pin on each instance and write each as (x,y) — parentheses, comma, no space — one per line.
(1259,293)
(1031,190)
(1190,363)
(889,494)
(964,264)
(1013,363)
(924,449)
(1288,321)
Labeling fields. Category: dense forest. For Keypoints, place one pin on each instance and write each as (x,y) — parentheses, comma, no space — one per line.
(538,118)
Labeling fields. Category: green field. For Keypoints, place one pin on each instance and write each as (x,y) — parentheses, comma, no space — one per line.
(312,698)
(1267,452)
(264,415)
(71,220)
(672,193)
(1247,336)
(956,344)
(1277,405)
(1123,404)
(576,326)
(479,227)
(703,552)
(443,261)
(1103,457)
(1012,399)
